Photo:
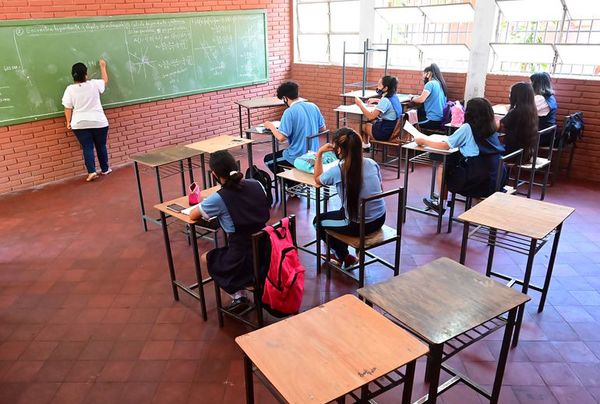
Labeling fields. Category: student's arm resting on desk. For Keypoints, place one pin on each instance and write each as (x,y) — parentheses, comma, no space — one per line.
(421,98)
(425,141)
(278,135)
(210,207)
(369,115)
(319,162)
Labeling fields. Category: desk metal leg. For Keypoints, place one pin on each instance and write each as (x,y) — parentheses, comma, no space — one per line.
(248,380)
(198,272)
(136,169)
(550,268)
(492,246)
(163,222)
(182,172)
(337,120)
(250,161)
(405,188)
(503,355)
(434,365)
(240,117)
(442,195)
(203,170)
(318,226)
(190,170)
(283,198)
(525,288)
(158,185)
(276,180)
(463,246)
(409,378)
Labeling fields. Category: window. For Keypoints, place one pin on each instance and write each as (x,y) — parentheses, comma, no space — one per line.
(323,27)
(542,35)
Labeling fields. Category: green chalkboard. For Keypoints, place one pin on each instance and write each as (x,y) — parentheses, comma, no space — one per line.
(149,57)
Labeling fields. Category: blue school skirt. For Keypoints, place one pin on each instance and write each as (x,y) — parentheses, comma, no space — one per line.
(383,128)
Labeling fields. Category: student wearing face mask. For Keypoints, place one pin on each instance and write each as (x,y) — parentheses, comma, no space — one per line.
(385,114)
(433,98)
(242,208)
(300,120)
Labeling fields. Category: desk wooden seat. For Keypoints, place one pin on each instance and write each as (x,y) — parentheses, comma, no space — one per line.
(381,236)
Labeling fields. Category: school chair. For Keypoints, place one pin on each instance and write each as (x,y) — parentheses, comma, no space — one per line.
(510,161)
(566,140)
(259,250)
(538,164)
(365,242)
(395,142)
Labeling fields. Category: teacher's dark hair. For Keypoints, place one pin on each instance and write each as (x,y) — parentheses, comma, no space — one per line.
(223,164)
(79,71)
(480,116)
(349,146)
(288,89)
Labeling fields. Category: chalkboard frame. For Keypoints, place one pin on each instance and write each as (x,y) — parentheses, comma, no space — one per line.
(129,17)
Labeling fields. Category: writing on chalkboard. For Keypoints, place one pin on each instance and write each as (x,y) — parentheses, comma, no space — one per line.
(148,58)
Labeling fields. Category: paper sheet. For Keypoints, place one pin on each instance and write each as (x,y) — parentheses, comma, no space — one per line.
(412,130)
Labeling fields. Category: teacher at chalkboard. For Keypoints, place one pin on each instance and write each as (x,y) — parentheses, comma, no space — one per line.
(86,118)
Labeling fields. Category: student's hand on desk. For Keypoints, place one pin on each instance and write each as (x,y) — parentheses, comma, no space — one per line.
(373,101)
(269,125)
(420,140)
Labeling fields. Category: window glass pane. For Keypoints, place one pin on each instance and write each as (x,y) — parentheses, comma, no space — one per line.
(312,48)
(313,18)
(353,44)
(345,16)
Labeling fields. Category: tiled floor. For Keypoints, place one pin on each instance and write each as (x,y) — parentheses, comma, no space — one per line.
(87,315)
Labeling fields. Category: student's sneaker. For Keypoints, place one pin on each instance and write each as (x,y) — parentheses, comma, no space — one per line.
(366,147)
(350,260)
(107,171)
(91,177)
(433,204)
(239,304)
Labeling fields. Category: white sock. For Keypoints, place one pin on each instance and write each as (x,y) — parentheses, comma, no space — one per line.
(366,145)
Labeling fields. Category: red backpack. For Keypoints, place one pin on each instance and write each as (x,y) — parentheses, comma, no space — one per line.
(284,283)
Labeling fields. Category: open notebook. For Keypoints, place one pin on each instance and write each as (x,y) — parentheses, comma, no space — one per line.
(436,138)
(261,128)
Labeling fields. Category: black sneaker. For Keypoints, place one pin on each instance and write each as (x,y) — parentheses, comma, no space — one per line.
(433,204)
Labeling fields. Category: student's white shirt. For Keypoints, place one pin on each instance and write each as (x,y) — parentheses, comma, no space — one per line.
(542,105)
(84,99)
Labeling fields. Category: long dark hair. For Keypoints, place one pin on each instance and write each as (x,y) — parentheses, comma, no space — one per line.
(525,118)
(223,164)
(436,74)
(391,83)
(541,84)
(79,71)
(348,144)
(480,116)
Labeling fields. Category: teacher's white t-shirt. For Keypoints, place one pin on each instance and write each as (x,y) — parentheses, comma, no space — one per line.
(84,98)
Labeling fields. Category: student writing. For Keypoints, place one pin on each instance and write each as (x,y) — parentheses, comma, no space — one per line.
(520,124)
(433,98)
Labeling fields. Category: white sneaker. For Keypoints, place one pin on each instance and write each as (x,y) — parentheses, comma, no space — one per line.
(366,145)
(107,171)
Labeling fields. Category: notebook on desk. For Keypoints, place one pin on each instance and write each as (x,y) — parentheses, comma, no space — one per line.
(262,129)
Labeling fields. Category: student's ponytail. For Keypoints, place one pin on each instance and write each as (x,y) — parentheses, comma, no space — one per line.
(223,164)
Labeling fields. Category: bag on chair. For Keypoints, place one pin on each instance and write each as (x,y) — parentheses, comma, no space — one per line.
(264,178)
(284,283)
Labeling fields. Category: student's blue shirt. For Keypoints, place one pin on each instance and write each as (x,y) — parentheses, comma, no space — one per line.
(465,141)
(214,206)
(387,109)
(435,101)
(300,120)
(371,185)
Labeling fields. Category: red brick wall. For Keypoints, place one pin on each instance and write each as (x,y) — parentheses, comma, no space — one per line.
(572,95)
(36,153)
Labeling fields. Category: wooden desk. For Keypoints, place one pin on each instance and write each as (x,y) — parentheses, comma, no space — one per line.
(306,185)
(441,301)
(528,225)
(219,143)
(501,109)
(156,160)
(255,103)
(328,352)
(208,227)
(424,158)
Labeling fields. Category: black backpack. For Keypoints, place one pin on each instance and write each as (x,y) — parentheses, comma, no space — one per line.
(573,128)
(264,178)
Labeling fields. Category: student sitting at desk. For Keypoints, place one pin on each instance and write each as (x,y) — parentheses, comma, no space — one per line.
(386,113)
(520,124)
(433,98)
(545,102)
(355,177)
(242,209)
(472,171)
(299,120)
